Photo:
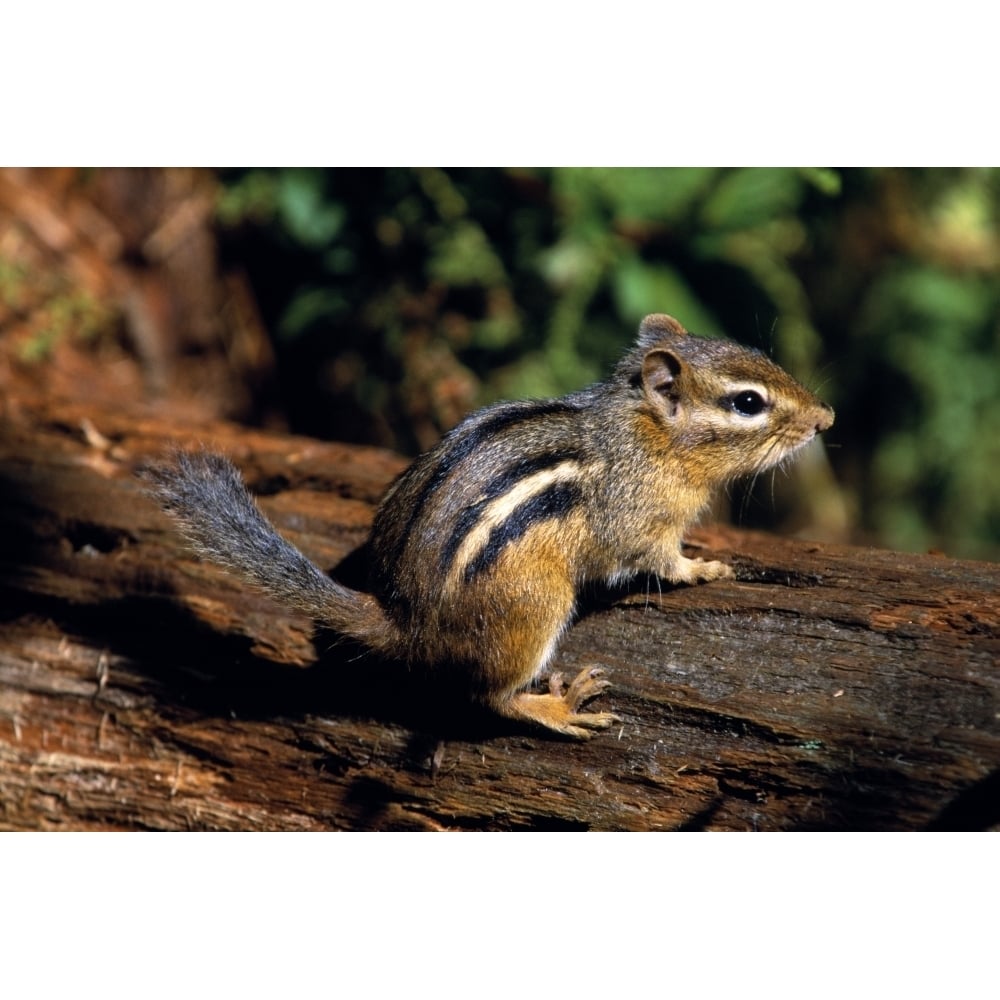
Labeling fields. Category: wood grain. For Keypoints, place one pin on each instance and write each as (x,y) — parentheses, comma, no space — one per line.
(827,687)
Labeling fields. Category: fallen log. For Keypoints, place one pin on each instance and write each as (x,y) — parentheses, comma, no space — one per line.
(826,687)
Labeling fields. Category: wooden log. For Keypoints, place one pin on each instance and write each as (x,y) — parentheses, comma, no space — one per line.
(826,688)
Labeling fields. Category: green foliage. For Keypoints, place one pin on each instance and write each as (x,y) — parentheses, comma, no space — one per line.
(935,472)
(397,292)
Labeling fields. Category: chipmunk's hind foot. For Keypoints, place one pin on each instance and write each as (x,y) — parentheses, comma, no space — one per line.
(557,710)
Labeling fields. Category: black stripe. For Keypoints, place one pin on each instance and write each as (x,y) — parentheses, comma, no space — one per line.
(502,484)
(467,441)
(556,501)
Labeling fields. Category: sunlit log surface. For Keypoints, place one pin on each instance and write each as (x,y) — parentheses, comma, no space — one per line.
(826,688)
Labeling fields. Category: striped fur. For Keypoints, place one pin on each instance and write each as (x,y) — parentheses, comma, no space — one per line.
(465,441)
(458,497)
(555,501)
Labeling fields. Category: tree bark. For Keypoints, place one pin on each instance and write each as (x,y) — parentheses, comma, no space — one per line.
(826,688)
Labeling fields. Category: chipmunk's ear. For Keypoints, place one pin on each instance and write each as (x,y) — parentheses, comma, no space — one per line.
(657,327)
(661,372)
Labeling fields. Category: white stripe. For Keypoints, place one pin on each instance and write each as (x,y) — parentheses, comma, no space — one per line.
(500,509)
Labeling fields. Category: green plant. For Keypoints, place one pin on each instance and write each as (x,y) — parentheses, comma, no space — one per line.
(400,299)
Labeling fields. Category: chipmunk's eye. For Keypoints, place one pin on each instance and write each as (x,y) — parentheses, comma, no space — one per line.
(747,403)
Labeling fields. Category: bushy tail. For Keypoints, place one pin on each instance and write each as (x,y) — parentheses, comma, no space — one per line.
(205,493)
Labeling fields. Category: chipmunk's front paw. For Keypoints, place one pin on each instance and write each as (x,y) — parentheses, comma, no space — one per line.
(699,571)
(714,570)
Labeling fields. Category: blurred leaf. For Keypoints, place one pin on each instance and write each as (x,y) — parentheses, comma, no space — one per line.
(825,180)
(568,262)
(340,260)
(463,256)
(309,217)
(641,288)
(752,195)
(310,308)
(253,197)
(496,332)
(654,194)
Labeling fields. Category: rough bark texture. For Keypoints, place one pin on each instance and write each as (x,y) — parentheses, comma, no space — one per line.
(826,688)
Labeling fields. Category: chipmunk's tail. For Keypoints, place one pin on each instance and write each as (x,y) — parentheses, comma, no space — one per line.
(205,493)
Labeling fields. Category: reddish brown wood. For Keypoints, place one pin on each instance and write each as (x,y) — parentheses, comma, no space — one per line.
(827,688)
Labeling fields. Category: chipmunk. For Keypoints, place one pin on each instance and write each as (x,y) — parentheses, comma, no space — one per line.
(480,547)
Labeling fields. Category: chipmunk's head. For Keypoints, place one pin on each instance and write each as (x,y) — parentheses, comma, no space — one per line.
(729,408)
